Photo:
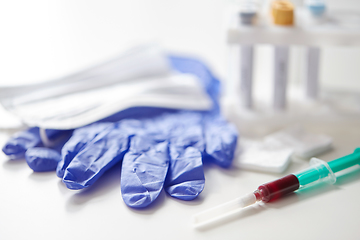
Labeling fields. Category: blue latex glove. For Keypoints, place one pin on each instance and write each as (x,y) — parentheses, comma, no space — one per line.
(166,150)
(39,156)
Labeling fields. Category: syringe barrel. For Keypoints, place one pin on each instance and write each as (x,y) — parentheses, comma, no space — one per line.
(276,189)
(346,161)
(319,171)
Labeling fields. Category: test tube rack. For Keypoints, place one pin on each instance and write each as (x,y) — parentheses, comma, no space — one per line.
(333,31)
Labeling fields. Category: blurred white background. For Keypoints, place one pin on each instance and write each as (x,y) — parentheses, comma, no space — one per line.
(45,39)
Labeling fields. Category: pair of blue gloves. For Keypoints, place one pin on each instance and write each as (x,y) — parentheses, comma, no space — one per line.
(159,148)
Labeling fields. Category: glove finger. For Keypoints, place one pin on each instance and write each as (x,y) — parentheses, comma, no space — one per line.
(17,145)
(100,154)
(144,170)
(221,140)
(22,141)
(42,159)
(185,179)
(77,142)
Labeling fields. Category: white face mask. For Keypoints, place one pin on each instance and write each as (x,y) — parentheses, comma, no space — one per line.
(140,77)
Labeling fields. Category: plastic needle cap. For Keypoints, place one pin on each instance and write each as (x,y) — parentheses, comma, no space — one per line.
(220,212)
(282,12)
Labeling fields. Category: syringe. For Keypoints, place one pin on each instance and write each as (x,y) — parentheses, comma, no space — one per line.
(319,171)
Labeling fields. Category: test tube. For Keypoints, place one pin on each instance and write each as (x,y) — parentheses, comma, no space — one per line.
(246,75)
(283,15)
(248,12)
(312,72)
(316,15)
(281,65)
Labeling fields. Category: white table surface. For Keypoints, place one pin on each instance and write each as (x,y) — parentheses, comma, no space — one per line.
(44,39)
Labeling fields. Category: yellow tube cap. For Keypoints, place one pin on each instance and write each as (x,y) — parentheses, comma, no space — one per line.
(282,12)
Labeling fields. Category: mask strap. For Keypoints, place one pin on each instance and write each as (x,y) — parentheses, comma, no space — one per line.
(45,140)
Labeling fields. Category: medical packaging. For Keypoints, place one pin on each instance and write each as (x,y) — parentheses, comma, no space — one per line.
(275,151)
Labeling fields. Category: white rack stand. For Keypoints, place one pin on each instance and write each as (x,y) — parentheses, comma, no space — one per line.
(331,32)
(336,30)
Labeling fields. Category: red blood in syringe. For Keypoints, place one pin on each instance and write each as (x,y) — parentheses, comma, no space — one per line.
(274,190)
